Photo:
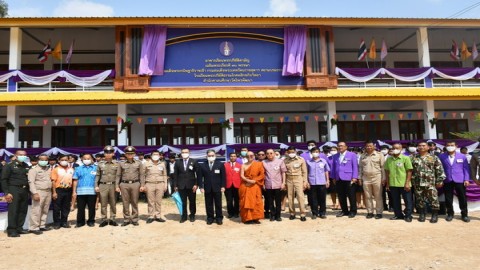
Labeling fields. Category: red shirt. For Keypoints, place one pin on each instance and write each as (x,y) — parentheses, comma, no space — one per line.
(232,174)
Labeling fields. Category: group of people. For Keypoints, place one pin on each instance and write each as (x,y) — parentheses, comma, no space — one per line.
(255,185)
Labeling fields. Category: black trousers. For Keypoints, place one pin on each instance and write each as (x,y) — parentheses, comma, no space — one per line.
(387,193)
(266,205)
(213,206)
(192,199)
(61,206)
(345,189)
(82,202)
(397,194)
(318,198)
(274,198)
(231,195)
(461,192)
(17,209)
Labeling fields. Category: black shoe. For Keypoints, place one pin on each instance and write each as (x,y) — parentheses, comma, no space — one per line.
(378,216)
(396,218)
(314,216)
(267,215)
(113,223)
(421,216)
(183,220)
(449,218)
(352,215)
(149,220)
(303,219)
(322,216)
(341,214)
(135,223)
(465,219)
(23,232)
(278,219)
(292,217)
(66,226)
(46,229)
(192,218)
(434,218)
(126,223)
(370,215)
(36,232)
(56,227)
(408,219)
(209,222)
(256,221)
(91,224)
(160,220)
(103,224)
(248,222)
(390,209)
(219,222)
(272,218)
(79,225)
(14,234)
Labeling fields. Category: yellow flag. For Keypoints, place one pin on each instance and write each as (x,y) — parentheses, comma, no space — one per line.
(464,52)
(372,54)
(57,51)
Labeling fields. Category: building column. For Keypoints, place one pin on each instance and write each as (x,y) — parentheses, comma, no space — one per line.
(332,130)
(122,137)
(423,52)
(395,128)
(15,55)
(429,113)
(12,136)
(228,134)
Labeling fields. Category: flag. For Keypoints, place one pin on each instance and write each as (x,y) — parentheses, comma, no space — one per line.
(383,52)
(464,51)
(43,56)
(372,54)
(474,50)
(69,54)
(454,54)
(57,51)
(362,51)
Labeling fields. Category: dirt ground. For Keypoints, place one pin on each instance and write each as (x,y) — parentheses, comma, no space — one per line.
(333,243)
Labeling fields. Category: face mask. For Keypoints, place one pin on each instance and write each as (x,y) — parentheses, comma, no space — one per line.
(315,155)
(451,148)
(185,155)
(277,156)
(292,155)
(310,147)
(21,158)
(396,151)
(43,163)
(155,157)
(211,159)
(384,151)
(412,149)
(243,153)
(333,153)
(64,163)
(87,162)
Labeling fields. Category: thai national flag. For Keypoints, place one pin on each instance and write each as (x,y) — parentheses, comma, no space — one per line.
(454,52)
(43,56)
(362,51)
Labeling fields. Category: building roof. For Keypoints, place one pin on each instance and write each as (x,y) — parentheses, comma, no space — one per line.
(239,96)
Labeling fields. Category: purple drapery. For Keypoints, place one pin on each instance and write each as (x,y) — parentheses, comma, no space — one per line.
(78,73)
(295,45)
(152,57)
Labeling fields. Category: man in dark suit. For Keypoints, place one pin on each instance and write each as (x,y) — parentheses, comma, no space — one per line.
(211,179)
(185,182)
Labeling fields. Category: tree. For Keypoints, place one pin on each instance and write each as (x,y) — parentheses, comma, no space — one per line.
(471,135)
(3,9)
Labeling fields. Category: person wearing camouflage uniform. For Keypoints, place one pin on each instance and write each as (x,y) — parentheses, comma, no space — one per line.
(427,176)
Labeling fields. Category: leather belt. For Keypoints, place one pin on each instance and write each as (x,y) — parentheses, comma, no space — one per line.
(20,186)
(107,183)
(130,182)
(156,182)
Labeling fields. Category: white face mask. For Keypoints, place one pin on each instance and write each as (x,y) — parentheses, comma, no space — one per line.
(310,147)
(87,162)
(333,153)
(292,155)
(384,151)
(64,163)
(315,155)
(412,149)
(185,155)
(155,157)
(277,156)
(211,159)
(396,151)
(451,148)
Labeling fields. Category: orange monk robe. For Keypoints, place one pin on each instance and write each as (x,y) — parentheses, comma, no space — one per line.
(251,203)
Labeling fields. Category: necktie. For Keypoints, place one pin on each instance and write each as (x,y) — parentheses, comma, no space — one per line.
(233,164)
(210,164)
(185,164)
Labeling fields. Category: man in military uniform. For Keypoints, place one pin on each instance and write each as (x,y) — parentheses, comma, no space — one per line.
(427,176)
(15,186)
(297,181)
(154,183)
(127,181)
(105,186)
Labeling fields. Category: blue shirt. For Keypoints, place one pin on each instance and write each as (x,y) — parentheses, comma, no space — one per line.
(316,171)
(86,179)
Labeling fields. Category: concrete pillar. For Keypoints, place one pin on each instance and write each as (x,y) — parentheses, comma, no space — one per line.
(394,127)
(15,55)
(122,137)
(424,52)
(332,130)
(12,136)
(228,133)
(429,113)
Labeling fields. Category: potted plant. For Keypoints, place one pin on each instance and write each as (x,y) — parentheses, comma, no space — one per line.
(333,122)
(9,126)
(125,125)
(225,124)
(433,122)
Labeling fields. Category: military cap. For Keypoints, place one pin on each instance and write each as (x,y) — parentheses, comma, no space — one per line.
(129,150)
(108,148)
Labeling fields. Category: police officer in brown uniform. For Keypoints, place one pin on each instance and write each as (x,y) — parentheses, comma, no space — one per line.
(297,181)
(106,185)
(128,178)
(154,183)
(41,190)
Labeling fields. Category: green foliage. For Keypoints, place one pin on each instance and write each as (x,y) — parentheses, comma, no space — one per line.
(3,9)
(470,135)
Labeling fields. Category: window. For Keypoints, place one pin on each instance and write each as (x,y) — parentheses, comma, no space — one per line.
(30,137)
(84,136)
(364,130)
(411,129)
(444,127)
(183,134)
(269,132)
(323,132)
(3,137)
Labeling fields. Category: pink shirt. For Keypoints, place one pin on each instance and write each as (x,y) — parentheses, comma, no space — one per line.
(273,173)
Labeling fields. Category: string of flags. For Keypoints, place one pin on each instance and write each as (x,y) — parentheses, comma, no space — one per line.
(257,119)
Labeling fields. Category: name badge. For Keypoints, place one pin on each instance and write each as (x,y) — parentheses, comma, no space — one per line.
(93,172)
(399,164)
(217,171)
(459,160)
(276,168)
(236,169)
(190,167)
(344,161)
(321,165)
(160,168)
(296,165)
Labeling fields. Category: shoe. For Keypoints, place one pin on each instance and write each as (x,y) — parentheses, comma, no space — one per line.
(209,222)
(378,216)
(421,216)
(272,218)
(46,229)
(390,209)
(341,214)
(79,225)
(36,232)
(113,223)
(352,215)
(314,216)
(103,224)
(396,218)
(192,218)
(91,224)
(149,220)
(135,223)
(256,221)
(267,215)
(322,216)
(219,222)
(66,226)
(278,219)
(14,234)
(292,217)
(183,220)
(126,223)
(303,219)
(408,219)
(160,220)
(248,222)
(449,218)
(370,215)
(56,227)
(434,218)
(465,219)
(23,232)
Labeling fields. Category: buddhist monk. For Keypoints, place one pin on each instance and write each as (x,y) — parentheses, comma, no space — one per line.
(250,191)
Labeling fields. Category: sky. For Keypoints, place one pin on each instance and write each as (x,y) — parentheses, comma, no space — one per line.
(283,8)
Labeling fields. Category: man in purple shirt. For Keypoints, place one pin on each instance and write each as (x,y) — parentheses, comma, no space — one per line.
(345,175)
(318,179)
(457,172)
(274,184)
